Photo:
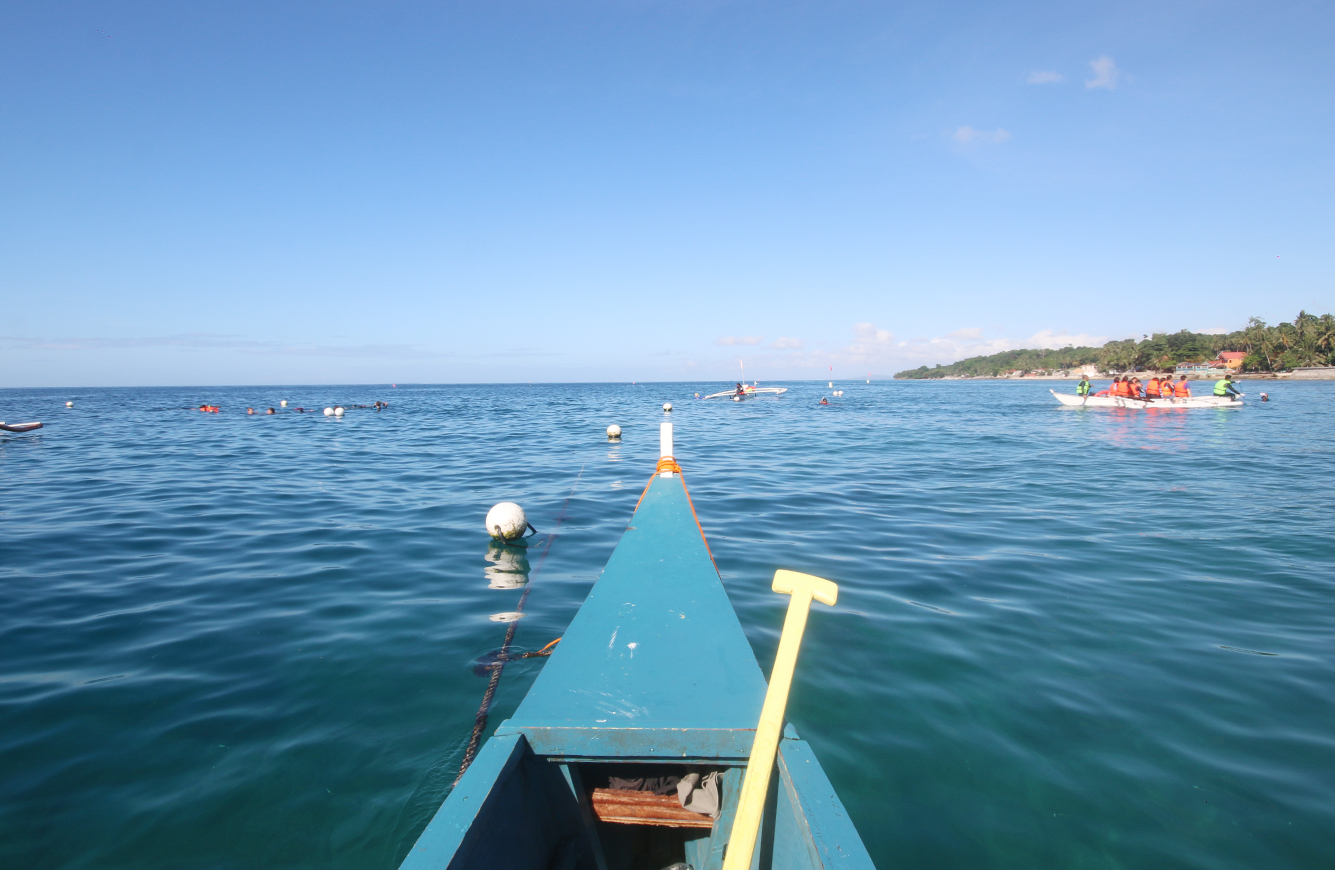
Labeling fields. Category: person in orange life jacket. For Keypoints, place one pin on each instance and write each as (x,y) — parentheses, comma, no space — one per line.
(1115,388)
(1181,390)
(1152,388)
(1135,388)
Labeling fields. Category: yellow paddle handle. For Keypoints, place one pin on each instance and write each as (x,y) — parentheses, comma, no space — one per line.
(751,803)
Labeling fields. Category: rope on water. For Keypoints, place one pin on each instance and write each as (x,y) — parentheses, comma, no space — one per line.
(480,720)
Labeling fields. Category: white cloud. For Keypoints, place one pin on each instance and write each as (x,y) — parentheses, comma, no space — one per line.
(967,135)
(1050,340)
(1213,330)
(878,351)
(1045,77)
(968,333)
(867,333)
(731,340)
(1106,73)
(876,348)
(194,341)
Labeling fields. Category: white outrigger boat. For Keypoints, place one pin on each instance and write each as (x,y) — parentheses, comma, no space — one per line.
(749,391)
(1123,402)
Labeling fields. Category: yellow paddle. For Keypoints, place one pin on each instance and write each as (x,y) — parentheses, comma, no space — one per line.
(751,803)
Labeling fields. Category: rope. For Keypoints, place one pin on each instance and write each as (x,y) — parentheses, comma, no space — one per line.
(480,720)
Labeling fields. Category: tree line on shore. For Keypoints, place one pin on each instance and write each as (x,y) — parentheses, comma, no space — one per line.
(1309,340)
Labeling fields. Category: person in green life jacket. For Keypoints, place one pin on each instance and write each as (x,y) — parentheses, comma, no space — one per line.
(1082,388)
(1226,387)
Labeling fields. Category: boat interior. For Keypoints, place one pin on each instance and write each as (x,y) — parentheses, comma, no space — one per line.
(563,814)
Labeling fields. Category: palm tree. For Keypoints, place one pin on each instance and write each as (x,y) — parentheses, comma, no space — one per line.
(1304,331)
(1268,345)
(1253,333)
(1325,336)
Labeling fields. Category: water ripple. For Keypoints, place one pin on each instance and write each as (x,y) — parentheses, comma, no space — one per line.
(1064,637)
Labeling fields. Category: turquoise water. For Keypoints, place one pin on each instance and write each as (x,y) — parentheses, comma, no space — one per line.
(1077,638)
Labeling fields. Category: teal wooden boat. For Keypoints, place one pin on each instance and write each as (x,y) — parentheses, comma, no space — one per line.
(653,680)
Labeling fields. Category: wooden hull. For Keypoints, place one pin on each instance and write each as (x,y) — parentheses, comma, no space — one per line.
(654,677)
(1119,402)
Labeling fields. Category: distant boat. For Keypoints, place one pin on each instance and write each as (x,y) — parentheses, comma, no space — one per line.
(19,427)
(1123,402)
(748,392)
(654,678)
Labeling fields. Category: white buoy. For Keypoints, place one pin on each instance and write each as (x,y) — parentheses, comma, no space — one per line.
(667,406)
(329,412)
(614,431)
(283,403)
(69,404)
(506,617)
(506,521)
(339,412)
(831,384)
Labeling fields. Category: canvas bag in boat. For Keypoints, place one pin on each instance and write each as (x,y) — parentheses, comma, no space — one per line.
(700,795)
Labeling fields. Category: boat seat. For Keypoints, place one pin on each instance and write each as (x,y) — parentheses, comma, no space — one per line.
(622,807)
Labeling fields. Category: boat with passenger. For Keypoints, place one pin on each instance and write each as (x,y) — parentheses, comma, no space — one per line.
(747,391)
(650,739)
(1134,402)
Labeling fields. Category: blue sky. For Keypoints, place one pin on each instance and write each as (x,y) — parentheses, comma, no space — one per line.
(334,193)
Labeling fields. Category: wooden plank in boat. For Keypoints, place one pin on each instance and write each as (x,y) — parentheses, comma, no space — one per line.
(624,807)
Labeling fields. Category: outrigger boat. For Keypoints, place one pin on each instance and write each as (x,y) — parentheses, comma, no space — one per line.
(1123,402)
(19,427)
(653,679)
(749,391)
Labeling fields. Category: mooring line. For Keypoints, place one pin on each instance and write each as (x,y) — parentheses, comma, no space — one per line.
(480,720)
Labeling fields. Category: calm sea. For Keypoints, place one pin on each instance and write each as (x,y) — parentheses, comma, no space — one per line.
(1065,638)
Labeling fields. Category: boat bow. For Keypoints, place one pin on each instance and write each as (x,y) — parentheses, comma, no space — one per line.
(654,676)
(655,663)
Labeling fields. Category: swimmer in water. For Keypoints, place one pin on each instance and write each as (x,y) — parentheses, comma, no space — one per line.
(824,401)
(271,411)
(250,410)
